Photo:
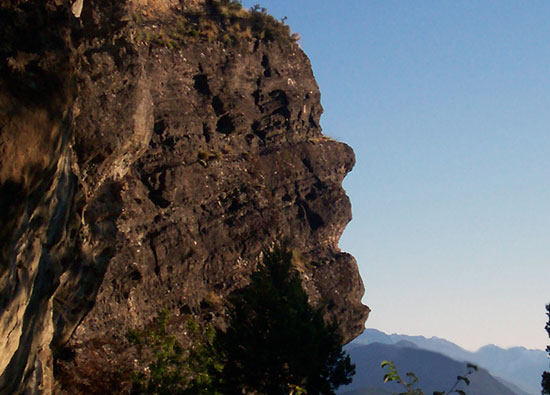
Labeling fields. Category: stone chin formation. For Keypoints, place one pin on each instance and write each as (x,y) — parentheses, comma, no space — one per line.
(149,151)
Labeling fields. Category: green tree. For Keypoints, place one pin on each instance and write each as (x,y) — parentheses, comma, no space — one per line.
(276,343)
(173,369)
(546,375)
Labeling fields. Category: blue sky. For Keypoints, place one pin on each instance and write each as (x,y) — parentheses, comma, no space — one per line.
(445,104)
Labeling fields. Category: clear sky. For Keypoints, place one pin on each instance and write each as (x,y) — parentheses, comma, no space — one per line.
(446,104)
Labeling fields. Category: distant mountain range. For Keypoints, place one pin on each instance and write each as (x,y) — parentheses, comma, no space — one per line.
(517,369)
(435,371)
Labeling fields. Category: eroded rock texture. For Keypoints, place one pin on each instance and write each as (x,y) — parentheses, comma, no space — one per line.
(137,177)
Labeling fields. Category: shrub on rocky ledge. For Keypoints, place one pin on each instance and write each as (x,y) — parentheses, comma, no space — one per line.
(223,20)
(174,369)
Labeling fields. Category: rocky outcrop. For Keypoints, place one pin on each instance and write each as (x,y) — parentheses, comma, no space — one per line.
(145,173)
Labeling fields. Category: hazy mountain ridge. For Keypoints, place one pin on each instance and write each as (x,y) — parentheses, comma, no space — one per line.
(435,371)
(518,366)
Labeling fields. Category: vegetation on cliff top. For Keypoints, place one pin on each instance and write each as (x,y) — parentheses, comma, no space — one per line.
(222,20)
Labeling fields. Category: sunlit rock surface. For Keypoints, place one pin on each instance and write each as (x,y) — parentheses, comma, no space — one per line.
(138,176)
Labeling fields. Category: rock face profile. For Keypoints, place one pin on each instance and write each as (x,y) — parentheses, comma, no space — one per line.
(149,152)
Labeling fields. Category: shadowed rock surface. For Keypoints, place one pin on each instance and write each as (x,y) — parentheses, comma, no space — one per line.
(139,175)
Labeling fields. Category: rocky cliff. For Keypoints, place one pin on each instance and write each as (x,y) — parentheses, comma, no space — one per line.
(149,151)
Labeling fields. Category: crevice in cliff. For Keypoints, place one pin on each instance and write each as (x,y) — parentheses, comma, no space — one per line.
(201,84)
(256,129)
(206,132)
(314,220)
(218,106)
(155,257)
(265,64)
(155,184)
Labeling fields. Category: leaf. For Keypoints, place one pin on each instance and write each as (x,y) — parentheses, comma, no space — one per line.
(463,378)
(390,377)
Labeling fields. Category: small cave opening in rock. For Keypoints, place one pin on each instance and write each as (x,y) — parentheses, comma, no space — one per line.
(225,125)
(312,122)
(157,199)
(307,164)
(135,275)
(159,127)
(206,132)
(218,106)
(185,310)
(258,131)
(169,142)
(312,195)
(66,354)
(282,111)
(235,206)
(201,84)
(155,189)
(257,95)
(265,64)
(279,96)
(314,220)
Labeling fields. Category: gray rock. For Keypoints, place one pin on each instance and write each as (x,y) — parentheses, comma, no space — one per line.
(149,178)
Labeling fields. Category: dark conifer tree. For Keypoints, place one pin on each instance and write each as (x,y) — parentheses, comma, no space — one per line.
(276,343)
